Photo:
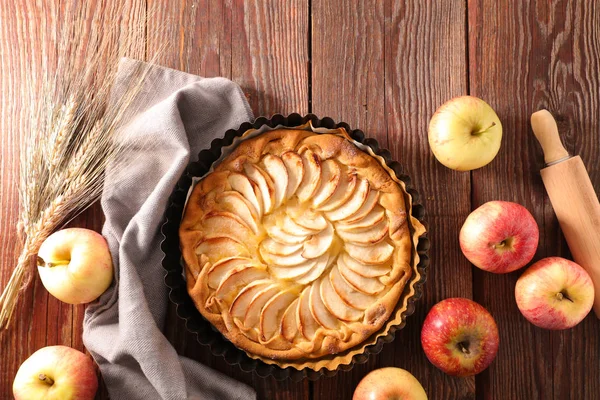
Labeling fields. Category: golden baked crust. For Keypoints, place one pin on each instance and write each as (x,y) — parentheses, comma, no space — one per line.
(297,245)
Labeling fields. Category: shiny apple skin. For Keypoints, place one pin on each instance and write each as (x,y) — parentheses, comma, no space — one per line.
(452,322)
(537,293)
(73,373)
(389,383)
(486,228)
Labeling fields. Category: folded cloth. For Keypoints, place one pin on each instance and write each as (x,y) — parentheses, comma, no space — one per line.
(177,115)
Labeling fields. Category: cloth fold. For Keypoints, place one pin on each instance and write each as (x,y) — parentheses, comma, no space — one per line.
(177,115)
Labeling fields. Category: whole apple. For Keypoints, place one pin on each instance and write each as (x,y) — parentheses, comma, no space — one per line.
(499,237)
(460,337)
(389,383)
(555,293)
(465,133)
(75,265)
(56,373)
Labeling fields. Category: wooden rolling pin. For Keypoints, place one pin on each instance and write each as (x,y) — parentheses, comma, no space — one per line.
(573,198)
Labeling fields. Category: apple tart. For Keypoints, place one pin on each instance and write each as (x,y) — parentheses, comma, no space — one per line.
(297,245)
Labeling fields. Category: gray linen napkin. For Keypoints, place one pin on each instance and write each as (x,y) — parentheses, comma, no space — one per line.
(177,116)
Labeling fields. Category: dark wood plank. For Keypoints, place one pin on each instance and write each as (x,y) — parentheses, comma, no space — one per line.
(261,46)
(385,67)
(523,57)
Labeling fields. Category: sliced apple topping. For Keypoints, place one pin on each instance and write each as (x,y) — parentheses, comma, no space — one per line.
(237,278)
(271,246)
(316,271)
(257,303)
(248,189)
(374,217)
(279,235)
(343,192)
(283,261)
(295,170)
(312,176)
(318,309)
(242,301)
(366,270)
(235,203)
(276,169)
(336,305)
(371,235)
(318,244)
(222,267)
(372,254)
(289,327)
(265,185)
(218,248)
(292,272)
(306,322)
(308,218)
(293,228)
(350,295)
(272,313)
(351,206)
(224,223)
(365,209)
(366,285)
(330,180)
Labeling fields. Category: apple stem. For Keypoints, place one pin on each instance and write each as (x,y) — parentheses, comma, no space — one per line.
(463,347)
(561,296)
(45,379)
(479,132)
(42,263)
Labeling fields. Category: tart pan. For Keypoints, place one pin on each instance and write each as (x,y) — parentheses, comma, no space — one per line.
(172,262)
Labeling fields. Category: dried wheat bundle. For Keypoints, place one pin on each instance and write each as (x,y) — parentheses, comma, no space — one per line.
(73,133)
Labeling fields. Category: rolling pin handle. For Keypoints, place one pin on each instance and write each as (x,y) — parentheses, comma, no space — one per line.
(545,130)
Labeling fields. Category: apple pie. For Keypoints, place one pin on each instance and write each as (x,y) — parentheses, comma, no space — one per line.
(297,245)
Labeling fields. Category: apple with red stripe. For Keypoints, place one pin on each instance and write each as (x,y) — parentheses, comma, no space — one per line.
(460,337)
(499,237)
(555,293)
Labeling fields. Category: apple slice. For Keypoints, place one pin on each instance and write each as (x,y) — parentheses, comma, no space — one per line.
(291,227)
(292,272)
(318,309)
(289,327)
(226,224)
(350,295)
(335,305)
(316,271)
(372,235)
(235,203)
(248,189)
(273,247)
(218,248)
(312,176)
(351,206)
(295,170)
(272,313)
(237,278)
(219,269)
(358,282)
(366,270)
(277,234)
(265,185)
(261,298)
(343,192)
(374,217)
(365,209)
(308,219)
(242,301)
(306,322)
(330,180)
(372,254)
(318,244)
(283,261)
(276,169)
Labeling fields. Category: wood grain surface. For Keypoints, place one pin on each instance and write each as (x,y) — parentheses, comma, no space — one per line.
(383,67)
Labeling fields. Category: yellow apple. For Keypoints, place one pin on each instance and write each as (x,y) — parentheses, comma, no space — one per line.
(465,133)
(389,383)
(75,265)
(56,373)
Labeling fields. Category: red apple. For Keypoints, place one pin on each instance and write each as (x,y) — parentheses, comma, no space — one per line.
(56,373)
(555,293)
(499,237)
(75,265)
(389,383)
(460,337)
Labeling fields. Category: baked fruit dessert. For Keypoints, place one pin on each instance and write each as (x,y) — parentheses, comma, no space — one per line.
(297,245)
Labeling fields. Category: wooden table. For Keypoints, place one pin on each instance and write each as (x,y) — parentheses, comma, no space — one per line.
(383,67)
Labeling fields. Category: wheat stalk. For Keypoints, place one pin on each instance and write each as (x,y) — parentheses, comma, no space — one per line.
(74,134)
